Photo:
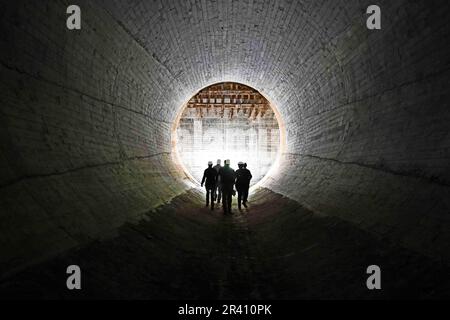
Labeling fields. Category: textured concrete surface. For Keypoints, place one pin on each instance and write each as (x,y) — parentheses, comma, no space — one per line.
(86,116)
(274,250)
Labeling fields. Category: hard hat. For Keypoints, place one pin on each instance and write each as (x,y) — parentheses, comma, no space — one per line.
(227,161)
(240,163)
(209,163)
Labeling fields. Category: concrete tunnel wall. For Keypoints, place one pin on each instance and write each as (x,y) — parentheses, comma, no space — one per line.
(87,116)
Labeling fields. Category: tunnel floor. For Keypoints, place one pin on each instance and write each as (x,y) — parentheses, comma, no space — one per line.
(274,250)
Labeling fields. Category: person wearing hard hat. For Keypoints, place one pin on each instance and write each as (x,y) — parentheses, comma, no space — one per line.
(227,178)
(218,188)
(210,177)
(240,182)
(245,178)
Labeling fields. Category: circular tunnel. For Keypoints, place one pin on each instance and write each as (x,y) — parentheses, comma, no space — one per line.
(90,177)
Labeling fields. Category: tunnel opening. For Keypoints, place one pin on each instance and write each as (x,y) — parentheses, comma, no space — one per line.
(87,157)
(228,120)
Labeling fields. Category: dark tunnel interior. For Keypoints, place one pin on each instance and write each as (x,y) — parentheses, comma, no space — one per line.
(89,175)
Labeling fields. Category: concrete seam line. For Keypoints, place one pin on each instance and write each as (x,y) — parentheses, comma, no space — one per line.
(91,166)
(40,78)
(432,180)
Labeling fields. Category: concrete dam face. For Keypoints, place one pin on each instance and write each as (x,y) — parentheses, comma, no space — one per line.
(109,118)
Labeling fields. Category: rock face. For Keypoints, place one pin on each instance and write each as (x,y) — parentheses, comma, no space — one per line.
(87,115)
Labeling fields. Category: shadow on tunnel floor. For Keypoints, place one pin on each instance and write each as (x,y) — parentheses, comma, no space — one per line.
(276,249)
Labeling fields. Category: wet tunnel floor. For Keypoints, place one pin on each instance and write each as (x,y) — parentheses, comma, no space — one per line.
(274,250)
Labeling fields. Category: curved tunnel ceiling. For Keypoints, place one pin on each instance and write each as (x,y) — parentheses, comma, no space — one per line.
(277,47)
(88,116)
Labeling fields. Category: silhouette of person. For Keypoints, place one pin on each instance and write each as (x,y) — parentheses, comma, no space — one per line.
(248,177)
(227,178)
(243,177)
(210,176)
(218,188)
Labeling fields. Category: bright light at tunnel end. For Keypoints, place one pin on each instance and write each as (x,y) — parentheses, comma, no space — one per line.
(217,153)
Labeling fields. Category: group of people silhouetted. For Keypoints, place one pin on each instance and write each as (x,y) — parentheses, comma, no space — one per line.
(220,183)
